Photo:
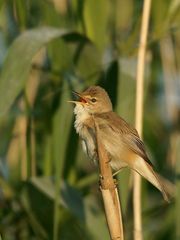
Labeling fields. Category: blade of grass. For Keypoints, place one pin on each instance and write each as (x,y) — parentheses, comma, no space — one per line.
(15,72)
(61,128)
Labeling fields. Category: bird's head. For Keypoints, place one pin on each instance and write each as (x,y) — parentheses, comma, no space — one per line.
(93,100)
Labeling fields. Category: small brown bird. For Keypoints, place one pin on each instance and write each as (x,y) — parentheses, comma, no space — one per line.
(121,141)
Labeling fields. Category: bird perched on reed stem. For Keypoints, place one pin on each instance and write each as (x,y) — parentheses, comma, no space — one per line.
(120,140)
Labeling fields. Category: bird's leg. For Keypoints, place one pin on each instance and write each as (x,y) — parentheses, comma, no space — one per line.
(115,173)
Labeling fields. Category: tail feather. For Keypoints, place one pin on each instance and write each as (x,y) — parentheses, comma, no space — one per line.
(145,170)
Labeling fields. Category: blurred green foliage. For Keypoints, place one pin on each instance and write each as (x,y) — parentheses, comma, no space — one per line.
(47,48)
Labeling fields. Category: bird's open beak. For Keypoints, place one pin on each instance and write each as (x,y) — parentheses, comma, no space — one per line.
(81,99)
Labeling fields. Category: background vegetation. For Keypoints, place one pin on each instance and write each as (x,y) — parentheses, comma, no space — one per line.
(48,190)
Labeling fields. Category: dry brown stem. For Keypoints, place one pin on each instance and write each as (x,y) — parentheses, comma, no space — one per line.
(109,192)
(139,115)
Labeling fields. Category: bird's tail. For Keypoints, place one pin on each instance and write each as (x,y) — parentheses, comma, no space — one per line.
(145,170)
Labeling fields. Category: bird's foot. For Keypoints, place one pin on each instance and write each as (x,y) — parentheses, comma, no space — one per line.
(115,173)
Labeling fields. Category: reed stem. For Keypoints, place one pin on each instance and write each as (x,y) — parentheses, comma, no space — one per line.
(139,115)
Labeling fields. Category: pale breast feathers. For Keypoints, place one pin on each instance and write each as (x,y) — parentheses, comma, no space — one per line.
(84,126)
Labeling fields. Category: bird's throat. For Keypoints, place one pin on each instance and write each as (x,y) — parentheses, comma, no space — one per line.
(81,116)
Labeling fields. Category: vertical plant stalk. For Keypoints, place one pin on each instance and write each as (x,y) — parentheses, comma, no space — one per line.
(139,115)
(61,129)
(33,149)
(20,127)
(109,192)
(170,76)
(177,186)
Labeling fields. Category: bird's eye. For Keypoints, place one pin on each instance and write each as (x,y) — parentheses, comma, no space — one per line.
(93,100)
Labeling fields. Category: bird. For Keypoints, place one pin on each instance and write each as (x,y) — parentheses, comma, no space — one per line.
(122,142)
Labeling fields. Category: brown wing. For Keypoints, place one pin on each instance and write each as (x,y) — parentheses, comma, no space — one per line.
(128,133)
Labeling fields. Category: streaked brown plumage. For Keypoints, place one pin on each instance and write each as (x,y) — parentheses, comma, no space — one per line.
(121,141)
